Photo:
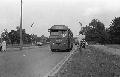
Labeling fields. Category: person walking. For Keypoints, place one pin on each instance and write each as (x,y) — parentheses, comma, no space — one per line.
(4,46)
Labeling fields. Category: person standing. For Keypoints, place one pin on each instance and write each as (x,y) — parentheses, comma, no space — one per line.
(4,46)
(80,38)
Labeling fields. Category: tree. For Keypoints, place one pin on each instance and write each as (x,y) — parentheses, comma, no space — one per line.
(25,37)
(84,30)
(95,31)
(5,36)
(13,36)
(114,30)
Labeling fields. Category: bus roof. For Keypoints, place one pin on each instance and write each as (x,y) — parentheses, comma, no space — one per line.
(59,27)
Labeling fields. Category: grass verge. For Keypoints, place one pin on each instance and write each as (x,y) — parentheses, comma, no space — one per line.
(113,46)
(91,62)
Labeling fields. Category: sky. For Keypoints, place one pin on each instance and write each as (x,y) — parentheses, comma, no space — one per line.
(46,13)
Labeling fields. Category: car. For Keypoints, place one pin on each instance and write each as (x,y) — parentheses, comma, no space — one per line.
(39,43)
(48,42)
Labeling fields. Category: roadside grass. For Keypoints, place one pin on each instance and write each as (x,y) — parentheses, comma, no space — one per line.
(113,46)
(91,62)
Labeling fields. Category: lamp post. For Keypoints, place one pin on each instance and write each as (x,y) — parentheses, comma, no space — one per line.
(80,25)
(21,42)
(32,33)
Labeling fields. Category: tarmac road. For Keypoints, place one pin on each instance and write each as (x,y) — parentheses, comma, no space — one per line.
(35,62)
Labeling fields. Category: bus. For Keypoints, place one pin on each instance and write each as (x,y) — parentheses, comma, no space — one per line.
(61,38)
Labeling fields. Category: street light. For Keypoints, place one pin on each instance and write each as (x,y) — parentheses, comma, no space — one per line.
(80,23)
(32,33)
(21,42)
(81,26)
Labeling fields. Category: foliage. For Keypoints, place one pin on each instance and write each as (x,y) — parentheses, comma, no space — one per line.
(114,30)
(14,36)
(95,31)
(5,36)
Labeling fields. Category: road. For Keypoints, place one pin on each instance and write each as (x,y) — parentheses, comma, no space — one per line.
(35,62)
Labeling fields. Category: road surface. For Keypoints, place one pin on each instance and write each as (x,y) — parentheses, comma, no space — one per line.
(35,62)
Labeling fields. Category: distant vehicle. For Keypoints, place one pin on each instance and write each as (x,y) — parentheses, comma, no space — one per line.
(61,38)
(76,42)
(48,42)
(39,44)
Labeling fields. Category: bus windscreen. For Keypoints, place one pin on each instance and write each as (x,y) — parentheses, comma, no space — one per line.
(54,32)
(62,33)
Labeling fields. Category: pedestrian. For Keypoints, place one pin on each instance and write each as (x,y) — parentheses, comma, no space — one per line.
(80,38)
(4,46)
(86,44)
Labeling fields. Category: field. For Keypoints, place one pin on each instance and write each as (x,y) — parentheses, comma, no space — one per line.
(91,62)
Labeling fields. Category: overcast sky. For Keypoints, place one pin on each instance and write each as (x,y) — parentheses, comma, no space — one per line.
(46,13)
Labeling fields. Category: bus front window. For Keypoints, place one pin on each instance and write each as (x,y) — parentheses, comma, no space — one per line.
(54,32)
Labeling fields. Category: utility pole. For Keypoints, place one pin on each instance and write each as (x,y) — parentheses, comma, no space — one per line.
(21,42)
